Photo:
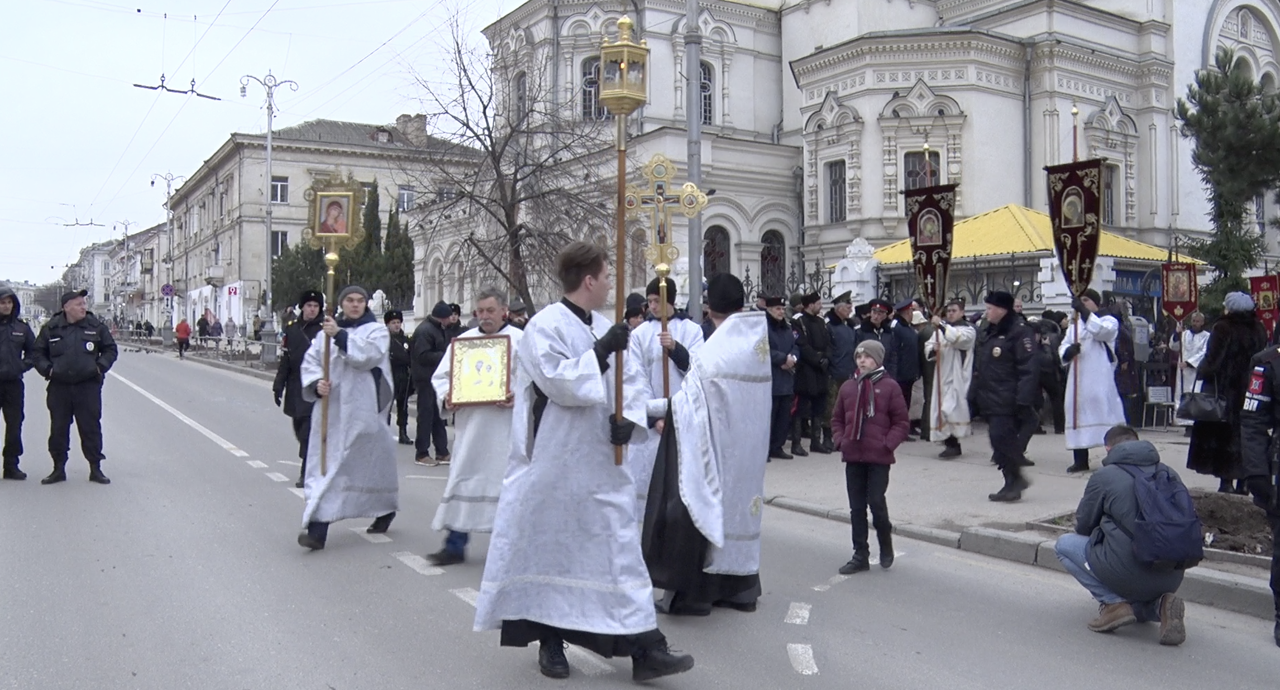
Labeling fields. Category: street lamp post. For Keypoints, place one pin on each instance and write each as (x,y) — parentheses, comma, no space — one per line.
(166,329)
(270,83)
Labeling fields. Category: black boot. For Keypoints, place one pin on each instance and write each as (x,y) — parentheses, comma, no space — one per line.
(858,564)
(798,449)
(11,470)
(1014,485)
(381,524)
(315,536)
(95,473)
(1080,461)
(658,660)
(952,449)
(815,443)
(806,431)
(828,441)
(59,473)
(551,660)
(404,437)
(886,550)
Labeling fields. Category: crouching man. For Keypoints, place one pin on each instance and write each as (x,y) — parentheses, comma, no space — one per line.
(1100,555)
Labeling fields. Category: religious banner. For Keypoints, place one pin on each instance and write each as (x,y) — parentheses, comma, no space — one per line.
(1264,299)
(1075,206)
(930,220)
(1180,290)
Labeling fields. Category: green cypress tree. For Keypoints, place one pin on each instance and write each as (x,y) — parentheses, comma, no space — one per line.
(397,264)
(297,269)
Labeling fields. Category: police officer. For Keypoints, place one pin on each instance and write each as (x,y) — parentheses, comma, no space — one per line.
(288,384)
(1006,379)
(74,352)
(17,343)
(1260,452)
(400,364)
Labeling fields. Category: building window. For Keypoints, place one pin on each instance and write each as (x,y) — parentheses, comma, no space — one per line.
(279,242)
(1260,213)
(922,173)
(835,191)
(705,92)
(521,90)
(404,201)
(445,194)
(773,259)
(222,205)
(279,190)
(715,252)
(591,108)
(1109,194)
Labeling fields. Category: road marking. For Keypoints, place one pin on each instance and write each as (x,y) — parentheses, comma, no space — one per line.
(875,560)
(466,594)
(277,477)
(798,614)
(802,659)
(422,476)
(226,445)
(256,464)
(295,463)
(374,538)
(417,562)
(298,492)
(830,583)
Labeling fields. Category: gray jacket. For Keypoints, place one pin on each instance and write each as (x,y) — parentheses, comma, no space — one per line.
(1108,505)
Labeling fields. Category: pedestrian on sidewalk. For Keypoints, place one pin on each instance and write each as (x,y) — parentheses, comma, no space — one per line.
(870,422)
(811,376)
(359,479)
(17,356)
(1259,436)
(182,333)
(950,352)
(74,352)
(784,353)
(481,444)
(1006,378)
(1049,337)
(907,342)
(427,348)
(1092,404)
(1100,554)
(297,340)
(401,364)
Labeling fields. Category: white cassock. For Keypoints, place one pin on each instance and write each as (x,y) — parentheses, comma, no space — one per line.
(565,550)
(1091,377)
(954,348)
(646,349)
(361,479)
(481,445)
(1191,355)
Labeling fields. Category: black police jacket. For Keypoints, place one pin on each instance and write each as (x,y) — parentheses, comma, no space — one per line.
(401,359)
(815,355)
(1260,424)
(1006,369)
(426,350)
(17,342)
(74,352)
(298,337)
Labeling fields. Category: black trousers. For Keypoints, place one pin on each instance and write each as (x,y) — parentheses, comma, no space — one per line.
(430,423)
(1051,386)
(906,387)
(867,484)
(780,426)
(302,431)
(12,395)
(1006,433)
(184,344)
(1274,520)
(404,388)
(81,402)
(810,407)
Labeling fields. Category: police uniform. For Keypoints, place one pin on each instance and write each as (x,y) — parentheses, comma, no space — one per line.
(17,343)
(298,337)
(75,358)
(401,361)
(1006,379)
(1260,452)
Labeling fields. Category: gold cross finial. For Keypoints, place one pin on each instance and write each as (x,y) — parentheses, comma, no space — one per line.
(661,199)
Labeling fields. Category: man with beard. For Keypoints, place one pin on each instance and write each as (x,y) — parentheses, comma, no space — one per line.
(811,375)
(784,353)
(288,384)
(427,349)
(17,345)
(401,362)
(951,348)
(1005,383)
(1092,405)
(1190,344)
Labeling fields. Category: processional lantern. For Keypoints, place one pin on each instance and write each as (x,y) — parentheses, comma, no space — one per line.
(624,72)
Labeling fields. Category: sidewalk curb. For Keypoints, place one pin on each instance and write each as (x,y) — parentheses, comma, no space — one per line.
(1241,594)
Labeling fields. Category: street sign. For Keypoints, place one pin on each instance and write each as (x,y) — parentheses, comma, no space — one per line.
(167,290)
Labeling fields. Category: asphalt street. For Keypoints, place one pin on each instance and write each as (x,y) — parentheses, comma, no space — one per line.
(185,573)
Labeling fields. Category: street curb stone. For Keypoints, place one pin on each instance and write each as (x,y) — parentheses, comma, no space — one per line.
(1247,595)
(1011,546)
(1046,557)
(941,537)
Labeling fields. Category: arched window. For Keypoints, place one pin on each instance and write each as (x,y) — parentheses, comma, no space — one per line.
(638,266)
(715,252)
(591,108)
(705,92)
(1242,65)
(773,259)
(520,91)
(1246,25)
(1268,83)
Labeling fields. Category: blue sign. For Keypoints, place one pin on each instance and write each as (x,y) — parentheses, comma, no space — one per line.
(1130,283)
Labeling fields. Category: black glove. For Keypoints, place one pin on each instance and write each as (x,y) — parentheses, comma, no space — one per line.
(1078,305)
(278,395)
(1072,350)
(614,340)
(620,432)
(825,363)
(680,357)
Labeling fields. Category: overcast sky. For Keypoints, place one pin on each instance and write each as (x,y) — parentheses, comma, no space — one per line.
(80,143)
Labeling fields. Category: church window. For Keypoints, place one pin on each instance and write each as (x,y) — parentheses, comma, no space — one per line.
(705,96)
(715,252)
(521,95)
(922,173)
(835,191)
(1109,175)
(591,108)
(773,257)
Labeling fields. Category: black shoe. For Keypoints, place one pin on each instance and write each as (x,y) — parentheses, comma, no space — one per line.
(381,524)
(299,484)
(780,454)
(1011,491)
(950,452)
(404,438)
(886,553)
(11,471)
(658,661)
(1079,467)
(745,607)
(857,564)
(816,447)
(1026,462)
(1039,431)
(798,450)
(57,475)
(96,476)
(551,659)
(445,557)
(307,541)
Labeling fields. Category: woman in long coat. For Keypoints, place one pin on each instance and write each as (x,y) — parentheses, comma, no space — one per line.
(1236,337)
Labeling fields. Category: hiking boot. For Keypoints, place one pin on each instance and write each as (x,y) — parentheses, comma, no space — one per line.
(445,557)
(950,452)
(798,450)
(95,474)
(1078,467)
(1113,616)
(59,473)
(551,660)
(381,523)
(1173,630)
(780,454)
(404,437)
(857,564)
(658,661)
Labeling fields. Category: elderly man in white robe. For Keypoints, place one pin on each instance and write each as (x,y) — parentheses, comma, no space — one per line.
(1092,404)
(648,345)
(565,564)
(950,349)
(1191,344)
(359,477)
(702,523)
(481,443)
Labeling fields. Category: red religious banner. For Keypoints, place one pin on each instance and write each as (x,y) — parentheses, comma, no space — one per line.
(930,221)
(1075,206)
(1180,293)
(1264,299)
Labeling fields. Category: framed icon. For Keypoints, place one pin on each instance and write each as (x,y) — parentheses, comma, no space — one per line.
(480,371)
(334,211)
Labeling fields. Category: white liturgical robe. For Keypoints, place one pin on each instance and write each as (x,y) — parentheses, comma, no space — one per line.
(952,347)
(1093,405)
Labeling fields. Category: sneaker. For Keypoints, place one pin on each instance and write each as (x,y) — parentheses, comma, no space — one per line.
(444,460)
(658,661)
(1113,616)
(445,557)
(425,461)
(1173,630)
(857,564)
(551,660)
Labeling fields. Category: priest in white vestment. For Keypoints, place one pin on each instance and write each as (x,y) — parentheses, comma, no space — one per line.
(360,478)
(481,443)
(702,523)
(564,561)
(1190,344)
(1092,402)
(950,350)
(648,345)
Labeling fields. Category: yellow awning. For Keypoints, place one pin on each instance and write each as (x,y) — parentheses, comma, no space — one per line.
(1015,229)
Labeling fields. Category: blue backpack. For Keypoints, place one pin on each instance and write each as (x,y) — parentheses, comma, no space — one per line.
(1168,534)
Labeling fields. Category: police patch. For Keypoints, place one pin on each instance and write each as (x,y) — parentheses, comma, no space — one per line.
(1255,382)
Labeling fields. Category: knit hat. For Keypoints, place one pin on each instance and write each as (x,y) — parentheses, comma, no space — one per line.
(353,290)
(655,289)
(1093,295)
(311,296)
(1000,298)
(1237,302)
(725,294)
(872,349)
(441,311)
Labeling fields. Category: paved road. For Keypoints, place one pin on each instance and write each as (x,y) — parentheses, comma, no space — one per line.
(184,573)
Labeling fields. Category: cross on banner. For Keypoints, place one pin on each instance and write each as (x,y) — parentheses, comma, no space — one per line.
(660,200)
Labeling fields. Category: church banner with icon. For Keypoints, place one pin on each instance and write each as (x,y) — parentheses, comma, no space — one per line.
(930,221)
(1180,290)
(1075,206)
(1264,298)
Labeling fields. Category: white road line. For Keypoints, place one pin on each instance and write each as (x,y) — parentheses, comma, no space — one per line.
(375,538)
(587,662)
(466,594)
(298,492)
(830,583)
(295,463)
(422,476)
(226,445)
(277,477)
(256,464)
(798,614)
(417,562)
(875,560)
(802,659)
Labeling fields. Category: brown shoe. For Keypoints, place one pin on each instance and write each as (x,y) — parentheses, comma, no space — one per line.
(1173,631)
(444,460)
(1113,616)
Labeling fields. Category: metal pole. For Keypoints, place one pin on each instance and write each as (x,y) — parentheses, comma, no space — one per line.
(693,115)
(620,290)
(330,261)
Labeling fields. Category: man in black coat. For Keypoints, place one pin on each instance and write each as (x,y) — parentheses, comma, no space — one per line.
(17,343)
(878,326)
(426,350)
(811,375)
(298,337)
(400,366)
(1260,452)
(784,354)
(841,329)
(1006,380)
(74,352)
(909,351)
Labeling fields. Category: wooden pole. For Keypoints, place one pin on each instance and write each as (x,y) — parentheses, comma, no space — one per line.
(663,271)
(620,264)
(937,374)
(330,260)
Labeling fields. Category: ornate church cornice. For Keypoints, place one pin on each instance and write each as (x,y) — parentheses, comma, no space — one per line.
(922,47)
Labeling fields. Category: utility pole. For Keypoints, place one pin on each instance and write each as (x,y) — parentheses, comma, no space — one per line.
(269,324)
(693,115)
(166,328)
